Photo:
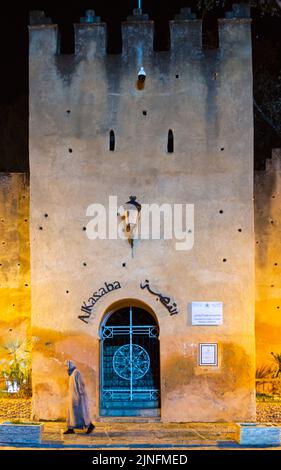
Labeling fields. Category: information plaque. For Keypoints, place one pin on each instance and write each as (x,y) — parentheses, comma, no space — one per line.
(206,313)
(208,354)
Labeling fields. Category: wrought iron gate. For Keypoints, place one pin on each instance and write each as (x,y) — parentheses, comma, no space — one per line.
(130,365)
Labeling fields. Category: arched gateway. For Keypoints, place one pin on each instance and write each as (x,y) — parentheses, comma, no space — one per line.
(130,366)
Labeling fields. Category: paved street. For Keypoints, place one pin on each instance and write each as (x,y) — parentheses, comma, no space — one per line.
(124,435)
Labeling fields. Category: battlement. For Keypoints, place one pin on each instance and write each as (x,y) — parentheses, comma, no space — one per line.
(138,33)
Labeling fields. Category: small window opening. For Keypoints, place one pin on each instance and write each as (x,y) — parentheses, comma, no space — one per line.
(111,141)
(170,145)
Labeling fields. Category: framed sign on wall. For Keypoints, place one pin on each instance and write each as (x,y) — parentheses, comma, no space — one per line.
(208,354)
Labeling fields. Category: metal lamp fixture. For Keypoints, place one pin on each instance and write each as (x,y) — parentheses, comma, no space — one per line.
(132,210)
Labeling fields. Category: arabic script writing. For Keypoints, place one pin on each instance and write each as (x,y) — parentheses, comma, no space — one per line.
(166,301)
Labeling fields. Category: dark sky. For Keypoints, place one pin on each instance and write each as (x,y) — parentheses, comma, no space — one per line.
(14,60)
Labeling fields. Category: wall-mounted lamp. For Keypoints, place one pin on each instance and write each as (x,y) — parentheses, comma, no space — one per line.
(131,216)
(141,75)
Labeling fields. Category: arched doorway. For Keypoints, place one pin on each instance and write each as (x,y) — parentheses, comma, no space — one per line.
(130,365)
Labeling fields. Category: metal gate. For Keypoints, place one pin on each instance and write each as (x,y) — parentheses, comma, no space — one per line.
(130,379)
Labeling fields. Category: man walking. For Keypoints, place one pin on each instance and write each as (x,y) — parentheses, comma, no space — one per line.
(78,411)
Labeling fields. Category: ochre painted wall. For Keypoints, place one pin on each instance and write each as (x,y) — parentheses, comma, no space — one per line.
(74,102)
(268,259)
(14,262)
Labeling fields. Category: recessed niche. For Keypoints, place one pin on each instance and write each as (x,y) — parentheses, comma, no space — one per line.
(111,140)
(170,142)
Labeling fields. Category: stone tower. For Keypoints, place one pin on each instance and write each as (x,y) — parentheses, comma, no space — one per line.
(183,136)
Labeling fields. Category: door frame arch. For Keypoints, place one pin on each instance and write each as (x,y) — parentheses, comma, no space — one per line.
(147,406)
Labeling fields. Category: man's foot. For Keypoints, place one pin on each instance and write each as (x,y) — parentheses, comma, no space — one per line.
(91,427)
(69,431)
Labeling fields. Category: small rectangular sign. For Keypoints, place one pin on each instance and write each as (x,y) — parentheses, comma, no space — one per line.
(206,313)
(208,354)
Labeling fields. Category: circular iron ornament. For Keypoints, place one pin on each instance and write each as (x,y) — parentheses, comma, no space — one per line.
(126,363)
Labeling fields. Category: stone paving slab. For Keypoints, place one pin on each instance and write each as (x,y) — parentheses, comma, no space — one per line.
(116,435)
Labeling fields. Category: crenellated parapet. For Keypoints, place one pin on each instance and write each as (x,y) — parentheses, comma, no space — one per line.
(235,29)
(90,36)
(138,34)
(186,32)
(43,35)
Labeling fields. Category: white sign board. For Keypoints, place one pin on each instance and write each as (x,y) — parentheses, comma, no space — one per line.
(208,354)
(206,313)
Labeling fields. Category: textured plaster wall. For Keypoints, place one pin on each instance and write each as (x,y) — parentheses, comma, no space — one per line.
(268,261)
(74,102)
(14,261)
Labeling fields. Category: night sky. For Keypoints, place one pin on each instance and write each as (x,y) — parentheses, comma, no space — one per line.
(14,61)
